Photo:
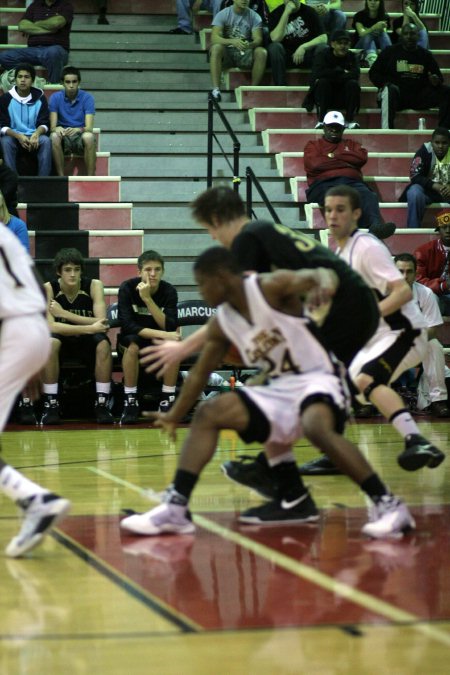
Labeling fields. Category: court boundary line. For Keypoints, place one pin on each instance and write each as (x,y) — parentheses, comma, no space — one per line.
(324,581)
(125,583)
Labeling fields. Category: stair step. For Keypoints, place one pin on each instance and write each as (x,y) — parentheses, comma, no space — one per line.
(378,164)
(72,216)
(52,189)
(174,142)
(92,244)
(387,188)
(170,120)
(395,140)
(186,166)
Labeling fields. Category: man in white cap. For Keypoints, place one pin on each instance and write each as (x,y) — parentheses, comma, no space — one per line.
(331,161)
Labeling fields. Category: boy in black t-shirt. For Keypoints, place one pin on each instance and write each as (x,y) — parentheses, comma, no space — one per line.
(147,311)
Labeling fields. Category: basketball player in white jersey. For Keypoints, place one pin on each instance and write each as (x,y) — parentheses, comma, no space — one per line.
(304,396)
(23,323)
(400,341)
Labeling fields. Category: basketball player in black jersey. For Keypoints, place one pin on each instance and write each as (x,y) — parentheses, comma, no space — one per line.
(262,246)
(77,320)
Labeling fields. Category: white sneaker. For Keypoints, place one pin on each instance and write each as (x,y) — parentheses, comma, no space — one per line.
(319,125)
(41,512)
(352,125)
(389,518)
(165,518)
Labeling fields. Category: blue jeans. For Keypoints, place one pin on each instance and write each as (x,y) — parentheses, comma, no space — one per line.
(370,207)
(184,12)
(44,154)
(334,20)
(418,199)
(53,58)
(374,41)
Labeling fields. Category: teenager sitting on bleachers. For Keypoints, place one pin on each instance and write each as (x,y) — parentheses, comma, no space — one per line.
(71,122)
(331,15)
(410,10)
(147,312)
(297,35)
(409,77)
(432,387)
(433,262)
(236,40)
(335,79)
(371,25)
(430,176)
(24,121)
(78,326)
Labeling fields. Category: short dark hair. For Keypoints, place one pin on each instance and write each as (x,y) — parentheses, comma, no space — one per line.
(214,259)
(28,68)
(221,201)
(70,70)
(406,257)
(66,256)
(149,255)
(345,191)
(441,131)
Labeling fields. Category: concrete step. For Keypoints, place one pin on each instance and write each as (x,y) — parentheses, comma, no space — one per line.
(159,100)
(131,59)
(394,212)
(290,164)
(70,189)
(88,216)
(195,142)
(387,188)
(76,166)
(126,7)
(367,118)
(152,22)
(187,166)
(122,243)
(168,120)
(142,38)
(140,78)
(395,140)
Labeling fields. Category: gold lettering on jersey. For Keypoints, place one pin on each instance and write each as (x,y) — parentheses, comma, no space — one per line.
(302,241)
(264,342)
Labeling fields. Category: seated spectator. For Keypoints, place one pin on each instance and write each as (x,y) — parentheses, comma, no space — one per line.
(433,262)
(147,311)
(432,381)
(14,224)
(78,326)
(71,123)
(429,175)
(409,77)
(102,6)
(297,35)
(330,161)
(410,10)
(335,79)
(24,121)
(236,41)
(47,24)
(330,14)
(371,25)
(258,6)
(187,8)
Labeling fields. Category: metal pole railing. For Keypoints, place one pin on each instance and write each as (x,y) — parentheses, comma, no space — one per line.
(251,179)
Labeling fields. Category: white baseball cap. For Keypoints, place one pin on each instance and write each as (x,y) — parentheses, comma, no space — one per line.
(334,117)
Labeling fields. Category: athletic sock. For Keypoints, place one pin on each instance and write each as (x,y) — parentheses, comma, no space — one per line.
(16,486)
(374,488)
(404,423)
(184,482)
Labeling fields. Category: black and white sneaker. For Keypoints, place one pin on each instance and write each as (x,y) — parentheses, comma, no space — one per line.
(102,412)
(389,518)
(253,472)
(322,466)
(25,413)
(130,414)
(41,512)
(165,404)
(418,453)
(300,510)
(216,95)
(51,415)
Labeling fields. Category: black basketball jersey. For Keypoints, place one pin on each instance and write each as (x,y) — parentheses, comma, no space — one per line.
(82,304)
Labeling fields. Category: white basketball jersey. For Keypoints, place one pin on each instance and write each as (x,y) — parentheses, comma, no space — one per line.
(19,291)
(277,343)
(372,259)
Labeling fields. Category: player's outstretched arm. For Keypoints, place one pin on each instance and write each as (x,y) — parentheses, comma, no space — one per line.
(164,353)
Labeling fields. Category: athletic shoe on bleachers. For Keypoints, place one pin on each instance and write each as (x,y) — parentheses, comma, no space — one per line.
(216,95)
(352,125)
(253,472)
(418,453)
(301,510)
(382,230)
(166,403)
(51,410)
(163,519)
(41,512)
(179,31)
(102,412)
(390,518)
(319,125)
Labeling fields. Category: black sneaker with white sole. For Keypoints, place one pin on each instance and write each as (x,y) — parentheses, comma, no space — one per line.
(300,510)
(51,415)
(252,472)
(418,453)
(130,414)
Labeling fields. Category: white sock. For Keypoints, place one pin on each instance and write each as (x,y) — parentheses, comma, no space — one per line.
(281,459)
(103,387)
(50,389)
(404,424)
(16,486)
(130,390)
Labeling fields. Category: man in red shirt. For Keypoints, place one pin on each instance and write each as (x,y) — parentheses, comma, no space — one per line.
(331,161)
(433,262)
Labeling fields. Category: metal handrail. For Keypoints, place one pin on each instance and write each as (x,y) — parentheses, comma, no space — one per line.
(213,104)
(250,181)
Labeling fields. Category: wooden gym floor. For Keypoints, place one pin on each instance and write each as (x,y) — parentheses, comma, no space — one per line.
(230,599)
